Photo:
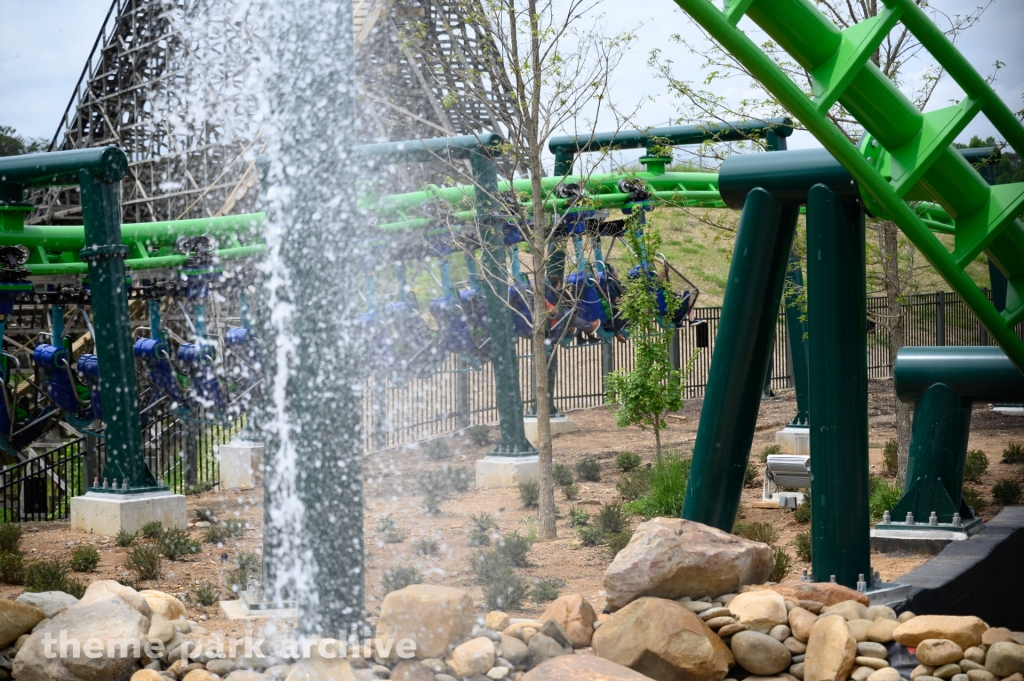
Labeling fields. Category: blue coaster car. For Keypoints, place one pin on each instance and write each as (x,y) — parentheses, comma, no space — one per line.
(199,362)
(155,356)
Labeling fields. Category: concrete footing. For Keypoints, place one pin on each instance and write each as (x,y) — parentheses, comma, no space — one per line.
(108,514)
(506,471)
(559,426)
(794,440)
(241,464)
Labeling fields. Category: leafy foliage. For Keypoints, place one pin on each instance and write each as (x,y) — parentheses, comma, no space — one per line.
(486,564)
(1014,453)
(234,527)
(974,498)
(152,530)
(977,464)
(514,547)
(750,475)
(426,546)
(397,578)
(84,558)
(667,489)
(634,484)
(10,538)
(505,591)
(176,544)
(628,461)
(124,539)
(578,517)
(12,568)
(485,521)
(478,435)
(781,566)
(589,470)
(205,593)
(884,497)
(571,492)
(437,450)
(144,562)
(248,567)
(562,474)
(545,590)
(762,532)
(215,535)
(802,514)
(589,536)
(617,541)
(529,493)
(611,519)
(1006,492)
(802,546)
(890,460)
(769,450)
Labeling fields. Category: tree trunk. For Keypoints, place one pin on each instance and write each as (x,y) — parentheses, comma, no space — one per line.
(888,244)
(657,444)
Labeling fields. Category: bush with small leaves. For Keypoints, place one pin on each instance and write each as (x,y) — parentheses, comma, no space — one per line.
(571,492)
(486,564)
(562,474)
(588,470)
(618,541)
(12,568)
(205,515)
(437,450)
(426,546)
(215,535)
(46,575)
(884,498)
(974,499)
(611,519)
(890,458)
(394,537)
(769,450)
(634,484)
(73,587)
(1006,492)
(152,530)
(750,475)
(479,538)
(483,522)
(762,532)
(176,544)
(248,567)
(200,488)
(397,578)
(628,461)
(205,593)
(478,435)
(578,517)
(545,590)
(802,514)
(589,536)
(235,527)
(431,504)
(977,464)
(781,566)
(802,546)
(1014,453)
(84,558)
(10,537)
(529,493)
(515,547)
(667,481)
(124,539)
(505,591)
(386,523)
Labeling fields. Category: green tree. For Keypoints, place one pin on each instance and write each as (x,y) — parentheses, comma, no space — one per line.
(13,144)
(653,387)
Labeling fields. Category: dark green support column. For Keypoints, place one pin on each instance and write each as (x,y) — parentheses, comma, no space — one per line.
(836,312)
(105,254)
(740,362)
(796,331)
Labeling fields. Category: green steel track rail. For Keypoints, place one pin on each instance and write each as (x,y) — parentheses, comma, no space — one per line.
(906,155)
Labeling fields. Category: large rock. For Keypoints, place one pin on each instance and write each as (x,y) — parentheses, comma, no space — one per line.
(319,669)
(434,617)
(575,615)
(17,619)
(831,650)
(411,670)
(165,605)
(760,654)
(851,610)
(664,640)
(964,631)
(1005,659)
(801,622)
(513,650)
(761,611)
(825,593)
(542,648)
(881,630)
(583,668)
(108,617)
(936,652)
(473,657)
(50,602)
(673,558)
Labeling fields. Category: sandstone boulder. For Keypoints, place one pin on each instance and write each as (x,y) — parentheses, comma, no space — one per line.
(513,650)
(318,669)
(881,630)
(17,619)
(50,602)
(105,588)
(997,635)
(583,668)
(1005,659)
(164,604)
(496,620)
(761,611)
(473,657)
(851,610)
(825,593)
(937,652)
(575,615)
(760,654)
(800,622)
(964,631)
(664,640)
(542,648)
(673,558)
(147,675)
(831,650)
(434,617)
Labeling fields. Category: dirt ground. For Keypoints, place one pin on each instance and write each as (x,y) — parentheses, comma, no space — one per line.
(391,488)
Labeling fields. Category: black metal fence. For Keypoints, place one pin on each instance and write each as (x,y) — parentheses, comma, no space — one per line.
(458,396)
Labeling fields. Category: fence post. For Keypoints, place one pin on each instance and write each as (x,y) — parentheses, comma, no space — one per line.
(983,340)
(379,395)
(607,364)
(674,350)
(192,433)
(940,318)
(90,462)
(462,418)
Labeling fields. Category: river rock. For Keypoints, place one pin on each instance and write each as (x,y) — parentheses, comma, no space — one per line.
(583,668)
(1004,659)
(825,593)
(199,675)
(964,631)
(672,558)
(938,651)
(881,630)
(862,673)
(516,628)
(781,632)
(800,622)
(761,611)
(319,669)
(981,675)
(759,653)
(831,650)
(245,675)
(795,645)
(411,670)
(850,609)
(221,667)
(921,670)
(542,648)
(868,649)
(50,602)
(16,619)
(105,617)
(513,650)
(729,629)
(873,662)
(496,620)
(475,656)
(147,675)
(164,604)
(997,635)
(881,612)
(975,654)
(859,629)
(434,617)
(887,674)
(553,629)
(947,671)
(664,640)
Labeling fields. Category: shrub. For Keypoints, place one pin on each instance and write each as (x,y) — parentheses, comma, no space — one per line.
(890,458)
(436,450)
(589,470)
(10,538)
(667,488)
(750,475)
(46,575)
(205,515)
(571,492)
(589,536)
(1014,453)
(529,493)
(634,484)
(478,435)
(200,488)
(974,499)
(769,450)
(514,547)
(144,562)
(215,535)
(578,517)
(394,537)
(802,514)
(176,544)
(884,498)
(431,504)
(11,568)
(1006,492)
(562,474)
(545,590)
(486,564)
(446,481)
(977,464)
(781,566)
(84,558)
(485,521)
(479,538)
(505,591)
(611,519)
(124,539)
(248,567)
(618,541)
(235,527)
(400,577)
(74,588)
(386,524)
(762,532)
(205,593)
(152,530)
(802,546)
(627,461)
(426,546)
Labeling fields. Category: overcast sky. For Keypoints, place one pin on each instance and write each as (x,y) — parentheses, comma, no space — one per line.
(44,44)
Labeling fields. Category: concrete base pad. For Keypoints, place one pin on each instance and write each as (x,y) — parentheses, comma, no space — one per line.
(241,464)
(238,610)
(108,514)
(794,440)
(1009,409)
(506,471)
(559,426)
